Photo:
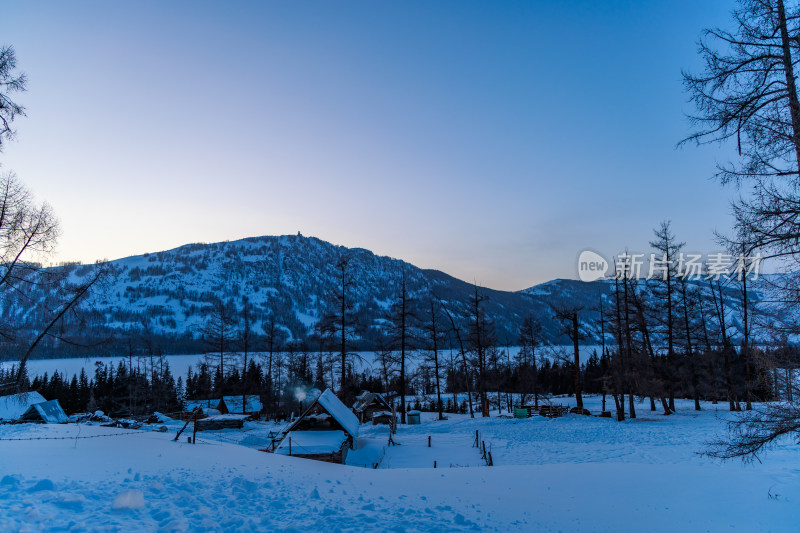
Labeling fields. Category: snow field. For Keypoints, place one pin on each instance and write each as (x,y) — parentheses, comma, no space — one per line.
(569,474)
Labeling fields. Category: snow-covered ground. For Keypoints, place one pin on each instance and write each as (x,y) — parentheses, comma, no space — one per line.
(569,474)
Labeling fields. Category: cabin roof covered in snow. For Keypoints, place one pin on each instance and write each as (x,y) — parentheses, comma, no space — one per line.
(234,404)
(205,405)
(339,411)
(334,407)
(311,442)
(15,405)
(229,416)
(365,399)
(49,412)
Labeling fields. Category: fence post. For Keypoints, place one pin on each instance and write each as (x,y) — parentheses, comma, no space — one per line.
(429,441)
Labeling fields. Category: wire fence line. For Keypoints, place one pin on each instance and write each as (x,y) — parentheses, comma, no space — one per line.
(479,443)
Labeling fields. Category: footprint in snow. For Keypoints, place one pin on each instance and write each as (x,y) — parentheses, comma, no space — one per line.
(44,484)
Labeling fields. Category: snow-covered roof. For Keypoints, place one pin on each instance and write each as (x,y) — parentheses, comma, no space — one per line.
(230,416)
(234,404)
(13,406)
(161,417)
(367,399)
(50,412)
(311,442)
(205,405)
(339,411)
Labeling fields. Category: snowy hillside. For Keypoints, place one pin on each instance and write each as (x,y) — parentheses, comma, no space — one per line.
(168,294)
(165,297)
(587,296)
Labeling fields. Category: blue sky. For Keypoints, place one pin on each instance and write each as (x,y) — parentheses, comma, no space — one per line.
(491,140)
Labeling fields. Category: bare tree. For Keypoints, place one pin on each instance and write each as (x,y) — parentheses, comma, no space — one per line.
(404,319)
(386,360)
(11,82)
(751,433)
(480,339)
(530,337)
(29,232)
(245,343)
(341,323)
(70,295)
(434,332)
(726,347)
(664,289)
(454,329)
(274,340)
(689,302)
(219,334)
(748,91)
(570,326)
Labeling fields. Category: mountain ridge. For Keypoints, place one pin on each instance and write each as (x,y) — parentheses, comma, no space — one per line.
(164,298)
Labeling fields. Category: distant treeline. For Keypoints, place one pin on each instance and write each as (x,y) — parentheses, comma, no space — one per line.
(140,386)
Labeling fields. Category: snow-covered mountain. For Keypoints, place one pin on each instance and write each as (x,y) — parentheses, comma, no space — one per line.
(167,296)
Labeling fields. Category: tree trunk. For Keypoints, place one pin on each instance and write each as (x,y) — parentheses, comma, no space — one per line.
(577,370)
(791,87)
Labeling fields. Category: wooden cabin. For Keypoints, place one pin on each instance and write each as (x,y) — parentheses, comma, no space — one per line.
(234,405)
(205,408)
(31,407)
(367,404)
(384,417)
(13,406)
(325,431)
(217,422)
(45,412)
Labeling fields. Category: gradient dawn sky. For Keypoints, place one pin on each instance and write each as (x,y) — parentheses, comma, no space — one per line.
(491,140)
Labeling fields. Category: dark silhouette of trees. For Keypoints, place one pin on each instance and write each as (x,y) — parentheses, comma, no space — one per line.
(530,337)
(454,329)
(748,92)
(219,333)
(340,324)
(666,259)
(404,319)
(435,341)
(570,326)
(480,339)
(11,81)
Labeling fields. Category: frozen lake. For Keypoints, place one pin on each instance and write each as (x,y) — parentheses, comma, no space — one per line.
(180,364)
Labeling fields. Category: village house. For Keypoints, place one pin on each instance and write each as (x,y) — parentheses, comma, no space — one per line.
(204,407)
(371,406)
(234,405)
(31,407)
(325,431)
(47,412)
